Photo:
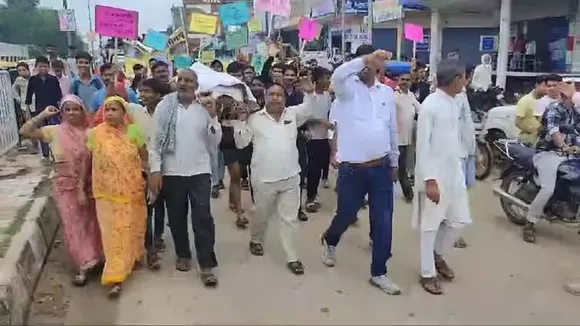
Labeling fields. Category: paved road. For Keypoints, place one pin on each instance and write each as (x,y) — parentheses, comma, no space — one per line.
(500,280)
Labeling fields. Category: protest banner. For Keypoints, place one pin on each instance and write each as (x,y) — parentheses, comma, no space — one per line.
(258,63)
(66,20)
(207,56)
(233,14)
(276,7)
(182,62)
(115,22)
(308,29)
(130,62)
(385,10)
(203,24)
(413,32)
(236,38)
(255,26)
(156,40)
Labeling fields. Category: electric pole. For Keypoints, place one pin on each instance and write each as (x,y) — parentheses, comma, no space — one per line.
(69,34)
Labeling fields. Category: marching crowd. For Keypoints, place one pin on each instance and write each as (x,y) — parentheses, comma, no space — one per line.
(126,155)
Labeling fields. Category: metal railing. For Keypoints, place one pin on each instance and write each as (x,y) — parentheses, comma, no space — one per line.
(8,125)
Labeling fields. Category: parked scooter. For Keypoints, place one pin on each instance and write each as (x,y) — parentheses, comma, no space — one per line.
(485,101)
(483,153)
(519,185)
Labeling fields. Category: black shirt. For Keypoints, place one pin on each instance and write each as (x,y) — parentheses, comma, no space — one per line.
(47,91)
(421,89)
(295,97)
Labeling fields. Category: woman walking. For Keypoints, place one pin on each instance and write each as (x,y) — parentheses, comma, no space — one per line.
(71,184)
(119,155)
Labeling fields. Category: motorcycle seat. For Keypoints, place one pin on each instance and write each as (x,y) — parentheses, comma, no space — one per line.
(521,153)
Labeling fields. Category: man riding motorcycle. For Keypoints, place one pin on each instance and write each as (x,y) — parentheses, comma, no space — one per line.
(555,146)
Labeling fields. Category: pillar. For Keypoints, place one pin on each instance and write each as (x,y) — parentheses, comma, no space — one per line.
(504,42)
(435,43)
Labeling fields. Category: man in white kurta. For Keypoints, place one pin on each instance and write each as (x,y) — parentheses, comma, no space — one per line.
(441,209)
(275,168)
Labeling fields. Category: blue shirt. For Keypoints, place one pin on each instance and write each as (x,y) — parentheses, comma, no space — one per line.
(100,95)
(86,91)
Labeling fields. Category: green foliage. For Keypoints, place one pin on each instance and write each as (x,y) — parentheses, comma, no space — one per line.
(22,22)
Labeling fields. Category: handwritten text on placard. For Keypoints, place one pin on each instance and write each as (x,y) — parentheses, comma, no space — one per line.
(115,22)
(236,13)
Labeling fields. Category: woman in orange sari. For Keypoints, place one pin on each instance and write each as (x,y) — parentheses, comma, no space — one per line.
(71,185)
(119,155)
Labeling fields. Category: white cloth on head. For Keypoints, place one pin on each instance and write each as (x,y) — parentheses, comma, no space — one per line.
(481,79)
(439,158)
(218,82)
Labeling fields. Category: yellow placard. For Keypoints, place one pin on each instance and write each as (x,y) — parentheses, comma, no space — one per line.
(255,26)
(207,56)
(203,24)
(130,62)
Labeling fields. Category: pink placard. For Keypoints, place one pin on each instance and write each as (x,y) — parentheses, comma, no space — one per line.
(414,32)
(308,29)
(276,7)
(115,22)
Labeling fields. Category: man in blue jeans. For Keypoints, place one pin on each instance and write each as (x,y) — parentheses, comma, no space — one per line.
(366,141)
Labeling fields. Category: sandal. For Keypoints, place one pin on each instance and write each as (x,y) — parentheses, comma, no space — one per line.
(215,192)
(431,285)
(208,278)
(115,291)
(245,185)
(311,207)
(460,243)
(183,264)
(80,278)
(443,269)
(153,261)
(159,244)
(296,267)
(242,222)
(302,216)
(233,208)
(529,231)
(138,265)
(256,249)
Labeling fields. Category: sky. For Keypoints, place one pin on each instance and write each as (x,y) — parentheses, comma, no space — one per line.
(153,14)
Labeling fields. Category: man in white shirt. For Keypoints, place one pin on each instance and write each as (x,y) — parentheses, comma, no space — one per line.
(441,208)
(150,93)
(407,108)
(468,142)
(318,147)
(186,132)
(366,139)
(275,169)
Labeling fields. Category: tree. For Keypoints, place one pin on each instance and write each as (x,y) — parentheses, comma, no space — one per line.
(22,22)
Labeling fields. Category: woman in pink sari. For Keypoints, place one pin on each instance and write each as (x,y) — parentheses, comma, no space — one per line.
(71,184)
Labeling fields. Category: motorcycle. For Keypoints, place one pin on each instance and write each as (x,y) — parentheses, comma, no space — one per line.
(485,101)
(519,186)
(483,154)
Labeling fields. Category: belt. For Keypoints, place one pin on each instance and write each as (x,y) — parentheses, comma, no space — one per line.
(368,164)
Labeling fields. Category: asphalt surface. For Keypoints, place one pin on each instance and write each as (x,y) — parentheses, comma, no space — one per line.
(500,279)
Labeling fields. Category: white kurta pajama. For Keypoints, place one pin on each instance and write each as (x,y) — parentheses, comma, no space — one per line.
(275,169)
(439,154)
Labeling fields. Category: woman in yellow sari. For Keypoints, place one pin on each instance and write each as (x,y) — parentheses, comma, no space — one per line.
(119,155)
